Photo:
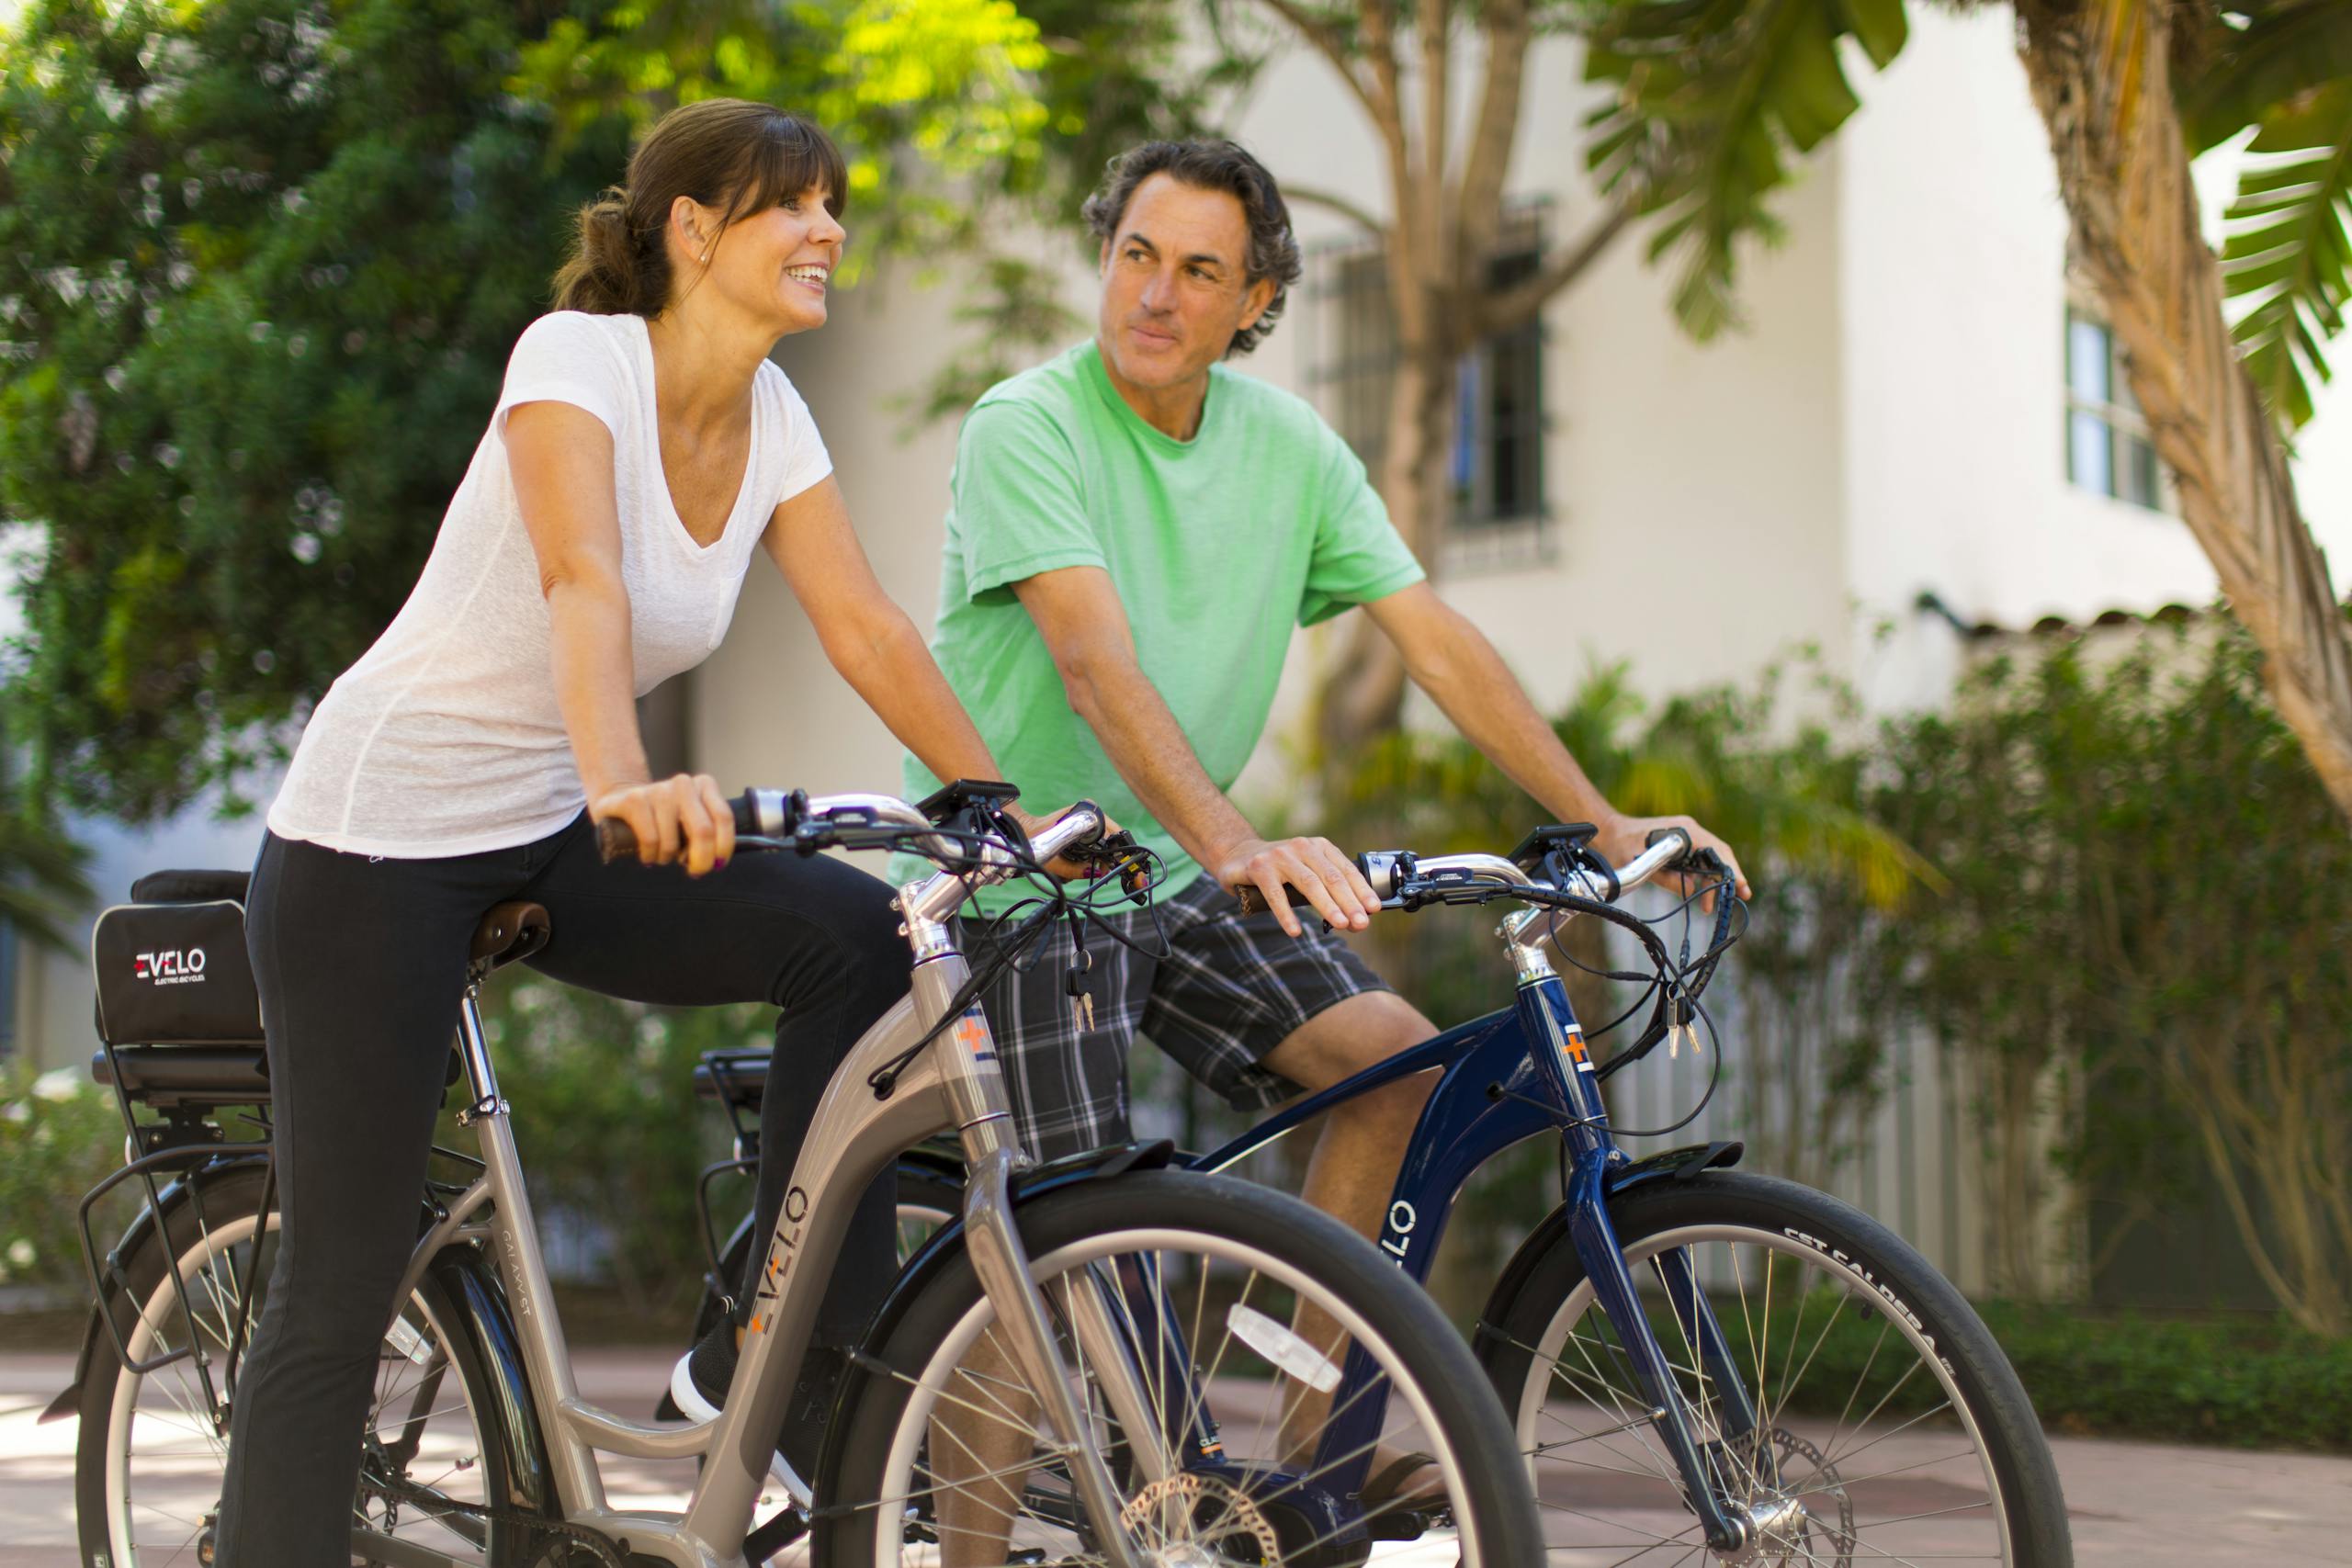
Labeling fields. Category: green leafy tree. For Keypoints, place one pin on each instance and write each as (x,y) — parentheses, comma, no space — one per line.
(1714,101)
(261,264)
(260,268)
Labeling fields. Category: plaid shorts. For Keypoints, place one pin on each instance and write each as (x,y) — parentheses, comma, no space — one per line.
(1232,988)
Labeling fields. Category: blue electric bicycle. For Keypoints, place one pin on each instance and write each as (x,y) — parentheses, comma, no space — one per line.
(1700,1364)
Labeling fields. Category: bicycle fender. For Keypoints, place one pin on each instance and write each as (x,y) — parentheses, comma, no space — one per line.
(1678,1165)
(1551,1232)
(483,1318)
(944,1246)
(135,1238)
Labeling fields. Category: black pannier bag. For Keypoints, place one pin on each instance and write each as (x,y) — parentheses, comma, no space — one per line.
(172,967)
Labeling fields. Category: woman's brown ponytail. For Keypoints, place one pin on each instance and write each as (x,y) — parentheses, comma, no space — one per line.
(611,268)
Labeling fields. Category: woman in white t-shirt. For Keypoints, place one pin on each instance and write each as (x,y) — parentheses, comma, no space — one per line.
(644,446)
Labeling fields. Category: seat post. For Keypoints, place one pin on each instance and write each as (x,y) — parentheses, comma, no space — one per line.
(473,1049)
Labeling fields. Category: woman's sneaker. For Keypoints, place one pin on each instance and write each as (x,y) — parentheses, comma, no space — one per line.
(698,1387)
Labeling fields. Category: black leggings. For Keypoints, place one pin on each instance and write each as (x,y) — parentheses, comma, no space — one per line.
(362,964)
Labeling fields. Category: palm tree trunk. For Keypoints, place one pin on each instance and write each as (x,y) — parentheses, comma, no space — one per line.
(2099,73)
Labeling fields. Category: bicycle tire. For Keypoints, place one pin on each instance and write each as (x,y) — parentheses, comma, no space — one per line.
(1431,1373)
(220,1216)
(1524,1342)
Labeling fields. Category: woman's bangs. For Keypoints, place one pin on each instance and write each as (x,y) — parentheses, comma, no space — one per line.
(793,158)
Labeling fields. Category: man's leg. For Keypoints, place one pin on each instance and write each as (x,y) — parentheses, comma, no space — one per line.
(1362,1146)
(1258,1016)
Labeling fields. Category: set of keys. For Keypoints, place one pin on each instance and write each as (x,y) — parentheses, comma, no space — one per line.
(1077,982)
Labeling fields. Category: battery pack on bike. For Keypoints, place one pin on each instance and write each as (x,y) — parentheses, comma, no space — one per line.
(171,965)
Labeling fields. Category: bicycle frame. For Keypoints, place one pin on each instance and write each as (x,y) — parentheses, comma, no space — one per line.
(1514,1075)
(855,1135)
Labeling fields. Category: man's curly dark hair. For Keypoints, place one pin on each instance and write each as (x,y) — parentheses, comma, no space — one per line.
(1211,166)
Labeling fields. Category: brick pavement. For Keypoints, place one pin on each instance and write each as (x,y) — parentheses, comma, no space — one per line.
(2145,1504)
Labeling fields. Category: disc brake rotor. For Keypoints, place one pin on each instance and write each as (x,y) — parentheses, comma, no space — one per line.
(1188,1520)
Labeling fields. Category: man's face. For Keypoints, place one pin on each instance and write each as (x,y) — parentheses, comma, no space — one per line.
(1174,285)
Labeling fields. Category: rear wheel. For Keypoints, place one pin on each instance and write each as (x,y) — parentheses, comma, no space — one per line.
(153,1448)
(1890,1426)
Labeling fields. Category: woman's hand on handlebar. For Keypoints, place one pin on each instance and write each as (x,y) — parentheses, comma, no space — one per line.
(681,819)
(1062,867)
(1316,867)
(1621,840)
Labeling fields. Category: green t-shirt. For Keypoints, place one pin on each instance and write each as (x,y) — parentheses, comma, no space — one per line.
(1217,545)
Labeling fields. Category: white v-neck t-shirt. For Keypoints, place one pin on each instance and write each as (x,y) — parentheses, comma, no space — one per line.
(445,737)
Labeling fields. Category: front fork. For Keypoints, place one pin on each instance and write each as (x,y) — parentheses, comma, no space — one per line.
(974,1084)
(1706,1466)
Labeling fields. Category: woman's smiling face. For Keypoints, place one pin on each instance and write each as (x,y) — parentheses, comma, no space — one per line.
(773,265)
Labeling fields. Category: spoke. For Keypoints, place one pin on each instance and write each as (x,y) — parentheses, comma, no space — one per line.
(1917,1558)
(1829,1456)
(1697,1368)
(1638,1551)
(1845,1482)
(1861,1379)
(1637,1425)
(1772,1416)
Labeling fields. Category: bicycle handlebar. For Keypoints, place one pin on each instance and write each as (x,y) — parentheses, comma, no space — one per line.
(809,822)
(1389,871)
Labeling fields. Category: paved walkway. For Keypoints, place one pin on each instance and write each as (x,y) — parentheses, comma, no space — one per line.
(2147,1505)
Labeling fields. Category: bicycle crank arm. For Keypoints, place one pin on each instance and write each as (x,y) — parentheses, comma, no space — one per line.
(1003,1264)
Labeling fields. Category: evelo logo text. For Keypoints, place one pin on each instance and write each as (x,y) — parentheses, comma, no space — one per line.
(177,967)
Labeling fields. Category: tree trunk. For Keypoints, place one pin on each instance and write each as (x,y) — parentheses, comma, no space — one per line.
(1365,692)
(2099,70)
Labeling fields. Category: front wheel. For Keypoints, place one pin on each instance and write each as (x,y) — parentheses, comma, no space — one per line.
(1201,1318)
(1889,1426)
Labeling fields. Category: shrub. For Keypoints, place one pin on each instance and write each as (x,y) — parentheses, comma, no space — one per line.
(55,1144)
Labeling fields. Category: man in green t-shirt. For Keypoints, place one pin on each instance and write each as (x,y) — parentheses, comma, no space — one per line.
(1135,531)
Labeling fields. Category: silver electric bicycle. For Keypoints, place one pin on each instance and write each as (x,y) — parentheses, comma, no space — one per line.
(1100,1361)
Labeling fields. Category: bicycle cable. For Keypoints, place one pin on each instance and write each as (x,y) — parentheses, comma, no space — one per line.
(1055,899)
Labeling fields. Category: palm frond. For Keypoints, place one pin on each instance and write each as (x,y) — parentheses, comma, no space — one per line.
(1715,101)
(2287,251)
(2275,52)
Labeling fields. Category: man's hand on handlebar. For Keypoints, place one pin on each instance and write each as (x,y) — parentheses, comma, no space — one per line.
(1619,841)
(1316,867)
(679,820)
(1062,867)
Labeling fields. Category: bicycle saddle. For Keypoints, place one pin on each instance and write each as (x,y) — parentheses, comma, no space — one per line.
(510,931)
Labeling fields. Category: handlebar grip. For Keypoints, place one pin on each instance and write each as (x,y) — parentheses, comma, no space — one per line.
(1253,898)
(1657,833)
(616,839)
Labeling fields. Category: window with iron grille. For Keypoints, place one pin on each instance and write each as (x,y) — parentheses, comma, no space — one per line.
(1497,458)
(2108,449)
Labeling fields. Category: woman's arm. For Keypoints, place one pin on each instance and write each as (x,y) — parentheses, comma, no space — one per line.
(867,637)
(561,459)
(870,640)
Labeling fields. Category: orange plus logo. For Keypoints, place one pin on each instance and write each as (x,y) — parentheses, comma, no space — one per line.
(971,1032)
(1576,1051)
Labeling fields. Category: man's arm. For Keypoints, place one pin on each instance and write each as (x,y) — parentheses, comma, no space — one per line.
(1077,610)
(1453,662)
